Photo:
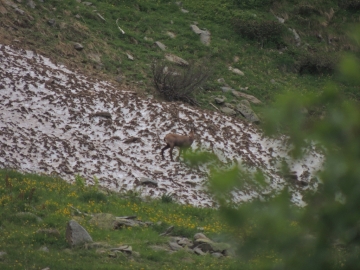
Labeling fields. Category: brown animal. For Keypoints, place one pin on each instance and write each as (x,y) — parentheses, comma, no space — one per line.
(182,141)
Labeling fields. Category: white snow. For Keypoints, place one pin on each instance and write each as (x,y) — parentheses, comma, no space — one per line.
(47,125)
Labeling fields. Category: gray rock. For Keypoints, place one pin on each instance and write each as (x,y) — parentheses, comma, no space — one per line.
(122,222)
(245,110)
(175,246)
(220,99)
(217,255)
(145,181)
(20,11)
(160,45)
(296,36)
(87,3)
(78,46)
(205,37)
(200,236)
(196,29)
(198,251)
(170,34)
(51,22)
(246,96)
(226,89)
(228,111)
(31,4)
(221,80)
(236,71)
(185,242)
(44,249)
(175,59)
(184,10)
(2,255)
(76,234)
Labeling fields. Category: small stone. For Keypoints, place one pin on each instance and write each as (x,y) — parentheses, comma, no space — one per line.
(145,181)
(51,22)
(217,255)
(31,4)
(44,249)
(174,246)
(170,34)
(184,10)
(226,89)
(220,99)
(236,71)
(78,46)
(228,111)
(160,45)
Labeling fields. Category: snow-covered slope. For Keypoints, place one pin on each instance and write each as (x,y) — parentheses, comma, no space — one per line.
(56,120)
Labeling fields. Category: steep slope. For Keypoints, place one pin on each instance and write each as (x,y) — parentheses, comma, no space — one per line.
(54,120)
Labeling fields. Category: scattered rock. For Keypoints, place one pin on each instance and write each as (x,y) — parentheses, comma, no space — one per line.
(228,111)
(132,140)
(236,71)
(160,45)
(226,89)
(130,57)
(76,235)
(198,251)
(170,34)
(175,246)
(51,22)
(200,236)
(44,249)
(217,254)
(87,3)
(145,181)
(124,249)
(102,114)
(204,34)
(148,39)
(2,255)
(220,99)
(196,29)
(246,96)
(205,37)
(177,60)
(184,10)
(244,108)
(296,36)
(31,4)
(78,46)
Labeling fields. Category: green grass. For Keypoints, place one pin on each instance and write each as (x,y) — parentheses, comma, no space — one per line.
(261,63)
(51,199)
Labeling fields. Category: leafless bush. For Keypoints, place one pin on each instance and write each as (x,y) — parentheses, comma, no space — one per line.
(179,83)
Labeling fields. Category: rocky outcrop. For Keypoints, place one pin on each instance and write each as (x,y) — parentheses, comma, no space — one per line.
(76,235)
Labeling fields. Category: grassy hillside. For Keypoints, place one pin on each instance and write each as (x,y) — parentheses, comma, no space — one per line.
(245,31)
(31,203)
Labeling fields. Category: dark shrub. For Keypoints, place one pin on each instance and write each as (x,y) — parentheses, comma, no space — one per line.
(316,63)
(262,31)
(179,83)
(352,5)
(253,3)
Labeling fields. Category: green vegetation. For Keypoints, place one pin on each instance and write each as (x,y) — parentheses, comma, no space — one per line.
(265,49)
(49,203)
